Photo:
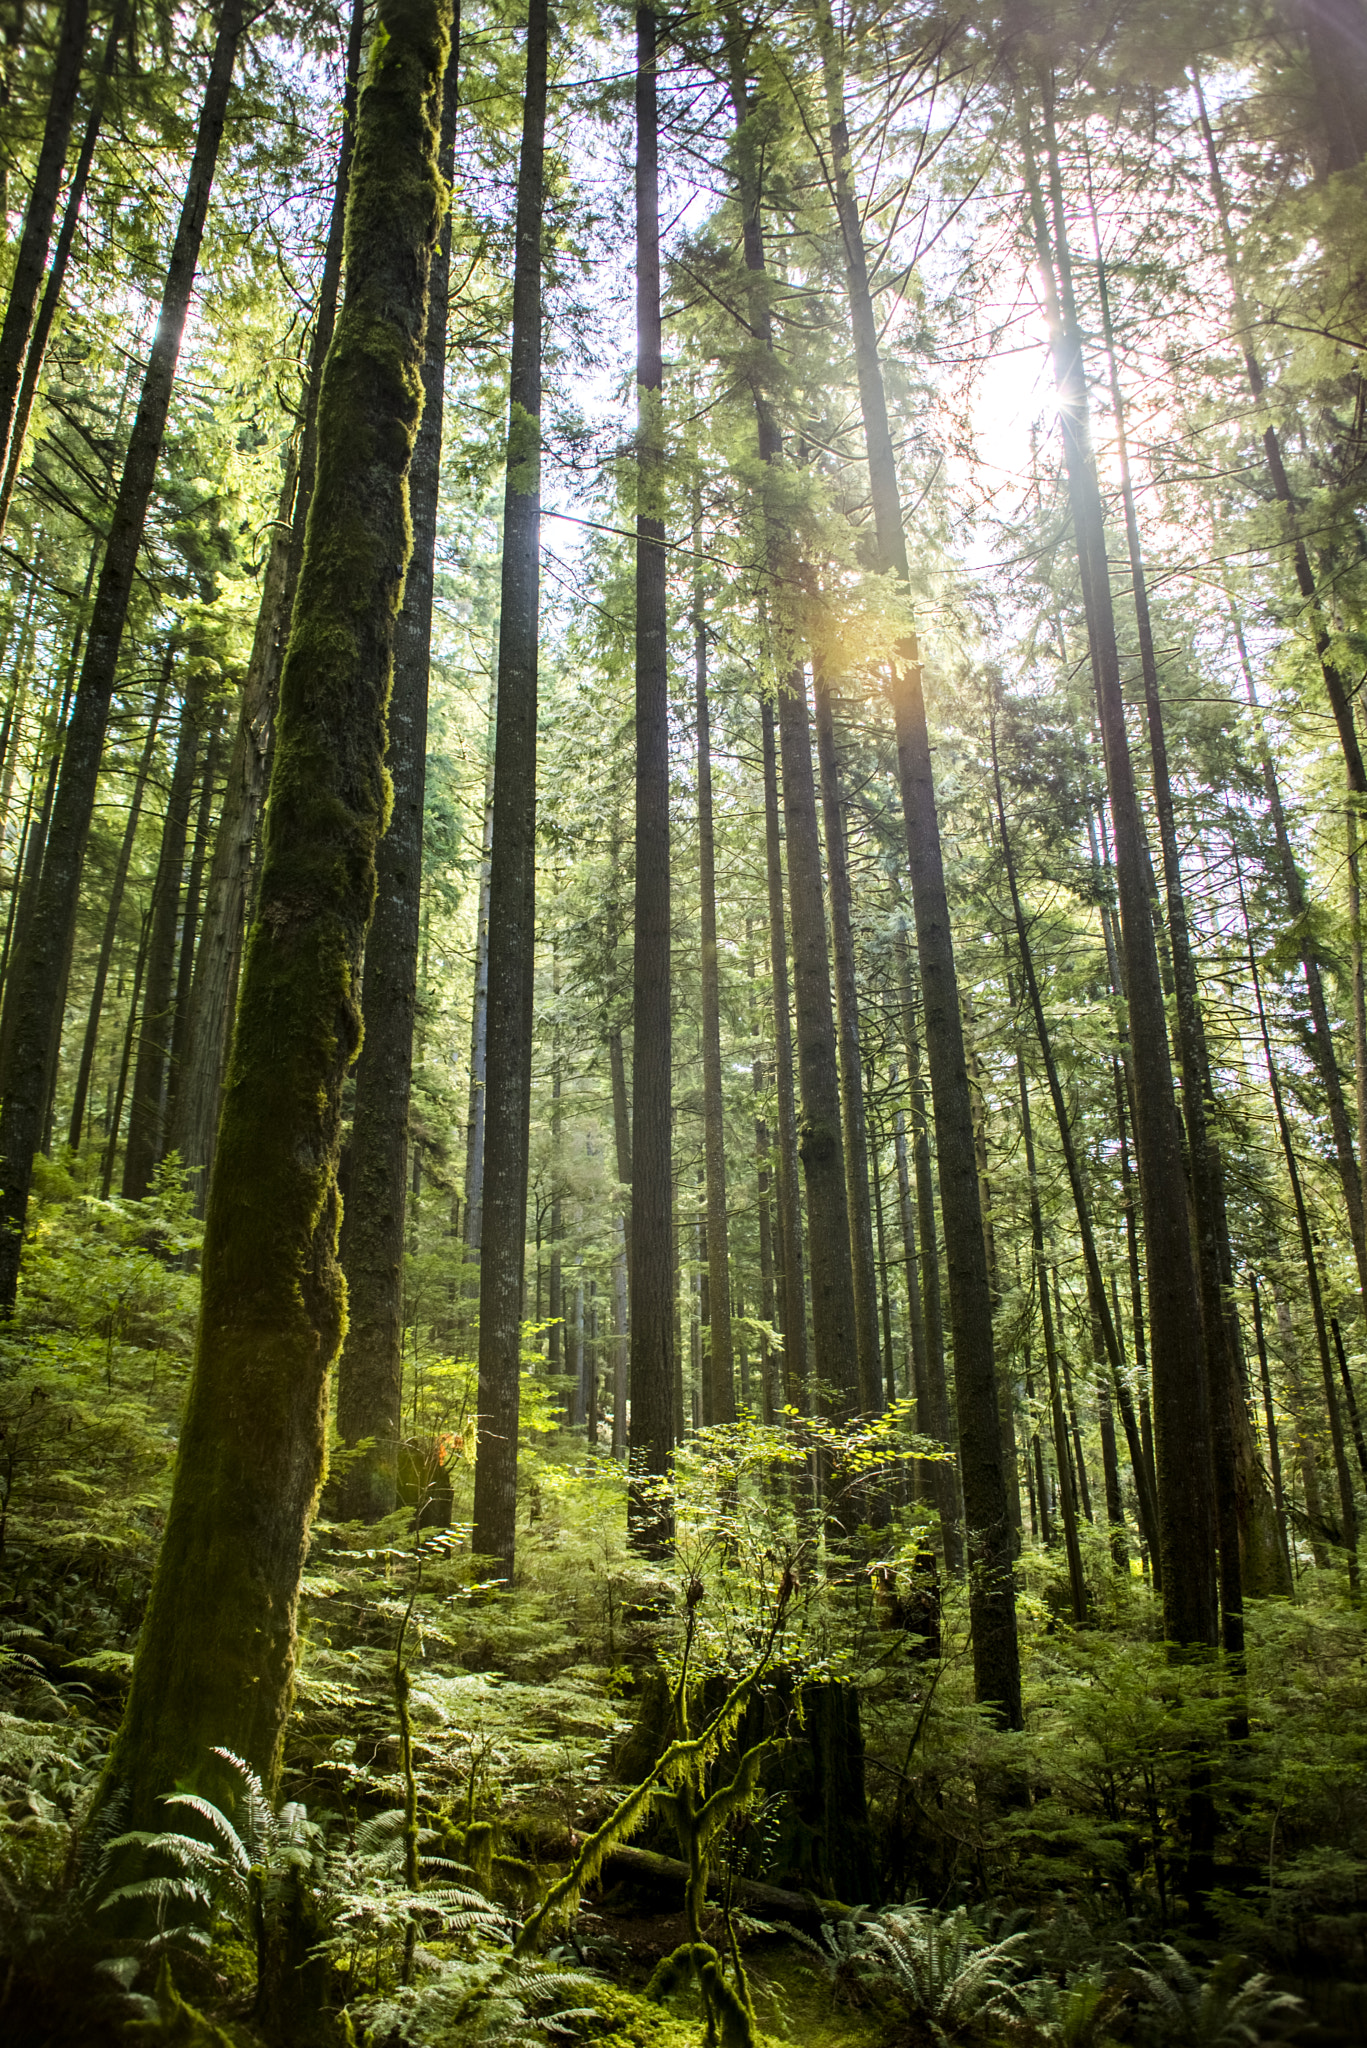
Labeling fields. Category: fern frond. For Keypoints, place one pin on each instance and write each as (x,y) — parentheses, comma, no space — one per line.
(216,1821)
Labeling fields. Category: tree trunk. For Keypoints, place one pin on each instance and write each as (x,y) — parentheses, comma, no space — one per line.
(512,860)
(52,290)
(1348,1534)
(939,1421)
(479,1009)
(1274,1452)
(1181,1396)
(40,993)
(111,922)
(652,1319)
(788,1249)
(125,1061)
(189,949)
(1096,1286)
(1243,1512)
(721,1348)
(215,1660)
(370,1373)
(31,256)
(145,1126)
(853,1123)
(213,993)
(991,1537)
(1066,1498)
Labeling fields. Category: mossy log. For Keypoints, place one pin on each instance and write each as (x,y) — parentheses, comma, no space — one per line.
(216,1660)
(804,1909)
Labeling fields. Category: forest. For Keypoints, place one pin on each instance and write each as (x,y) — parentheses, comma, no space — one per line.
(683,1023)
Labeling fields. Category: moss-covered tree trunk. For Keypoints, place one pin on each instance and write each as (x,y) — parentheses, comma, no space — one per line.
(512,858)
(213,993)
(370,1376)
(215,1661)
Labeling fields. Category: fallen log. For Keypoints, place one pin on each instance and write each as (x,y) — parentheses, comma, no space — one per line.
(766,1901)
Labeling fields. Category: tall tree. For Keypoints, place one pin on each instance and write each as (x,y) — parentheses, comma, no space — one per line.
(370,1375)
(215,1659)
(651,1388)
(512,859)
(39,994)
(1181,1395)
(721,1351)
(996,1652)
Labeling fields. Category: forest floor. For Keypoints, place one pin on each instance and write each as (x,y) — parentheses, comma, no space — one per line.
(1013,1888)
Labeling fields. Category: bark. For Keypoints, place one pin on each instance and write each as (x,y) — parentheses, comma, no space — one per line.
(479,1009)
(991,1537)
(854,1127)
(1067,1499)
(651,1374)
(1181,1397)
(1348,1527)
(1339,694)
(189,949)
(30,259)
(512,859)
(213,994)
(125,1061)
(1274,1450)
(788,1247)
(370,1373)
(215,1660)
(1304,1437)
(721,1348)
(1246,1532)
(52,291)
(40,993)
(145,1125)
(1347,1157)
(835,1342)
(889,1390)
(938,1421)
(1096,1286)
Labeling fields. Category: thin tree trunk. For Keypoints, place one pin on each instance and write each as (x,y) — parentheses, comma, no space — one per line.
(479,1011)
(1340,700)
(721,1349)
(1274,1452)
(788,1249)
(512,861)
(111,922)
(991,1536)
(125,1060)
(820,1144)
(145,1128)
(1181,1397)
(189,948)
(1096,1286)
(1243,1512)
(939,1422)
(36,352)
(1067,1500)
(1347,1504)
(853,1124)
(31,256)
(652,1320)
(24,1105)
